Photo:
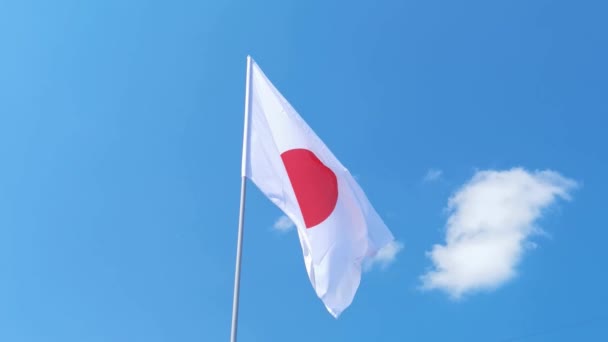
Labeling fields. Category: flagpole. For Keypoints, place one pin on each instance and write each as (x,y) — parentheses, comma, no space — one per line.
(239,241)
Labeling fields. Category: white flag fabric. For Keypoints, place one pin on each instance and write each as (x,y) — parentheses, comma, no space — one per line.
(337,226)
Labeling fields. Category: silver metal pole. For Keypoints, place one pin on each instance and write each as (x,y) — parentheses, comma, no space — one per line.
(239,241)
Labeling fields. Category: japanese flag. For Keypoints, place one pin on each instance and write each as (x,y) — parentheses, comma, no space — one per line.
(337,226)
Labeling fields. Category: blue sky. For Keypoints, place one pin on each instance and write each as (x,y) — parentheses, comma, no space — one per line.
(120,149)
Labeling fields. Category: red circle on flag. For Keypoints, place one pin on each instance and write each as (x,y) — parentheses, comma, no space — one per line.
(314,184)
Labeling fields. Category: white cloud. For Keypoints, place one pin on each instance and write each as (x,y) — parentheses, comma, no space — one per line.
(491,218)
(283,224)
(384,257)
(432,175)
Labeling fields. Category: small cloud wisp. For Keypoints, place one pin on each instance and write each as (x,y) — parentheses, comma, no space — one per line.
(283,224)
(384,257)
(432,175)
